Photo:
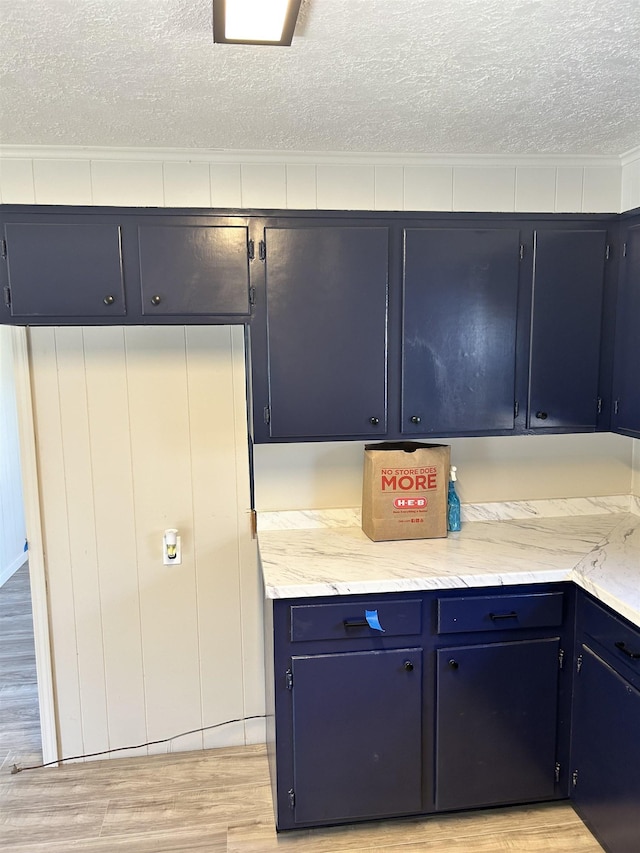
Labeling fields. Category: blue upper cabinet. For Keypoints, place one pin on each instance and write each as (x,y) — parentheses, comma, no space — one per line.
(194,268)
(64,269)
(459,321)
(566,328)
(626,392)
(83,266)
(323,311)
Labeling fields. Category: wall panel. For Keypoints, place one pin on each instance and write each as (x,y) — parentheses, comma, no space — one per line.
(12,524)
(137,430)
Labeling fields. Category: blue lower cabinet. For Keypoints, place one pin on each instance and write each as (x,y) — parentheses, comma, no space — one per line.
(606,731)
(496,723)
(374,713)
(357,734)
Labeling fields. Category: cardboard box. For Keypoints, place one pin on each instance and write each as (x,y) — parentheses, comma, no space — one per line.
(404,490)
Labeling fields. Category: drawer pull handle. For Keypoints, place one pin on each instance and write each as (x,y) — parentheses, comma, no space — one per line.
(623,648)
(496,616)
(370,620)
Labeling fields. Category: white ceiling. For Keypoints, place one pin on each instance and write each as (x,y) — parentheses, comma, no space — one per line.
(408,76)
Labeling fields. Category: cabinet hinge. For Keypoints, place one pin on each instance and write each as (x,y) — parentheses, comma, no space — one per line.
(262,250)
(578,663)
(574,778)
(616,407)
(266,414)
(607,252)
(599,407)
(516,409)
(7,296)
(521,251)
(251,250)
(561,658)
(557,771)
(288,679)
(624,250)
(3,247)
(291,794)
(252,296)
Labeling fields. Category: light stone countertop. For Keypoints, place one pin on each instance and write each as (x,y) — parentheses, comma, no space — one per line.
(600,552)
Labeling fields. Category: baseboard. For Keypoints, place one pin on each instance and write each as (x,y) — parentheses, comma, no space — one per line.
(8,571)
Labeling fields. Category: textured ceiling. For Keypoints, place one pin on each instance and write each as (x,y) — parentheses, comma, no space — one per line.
(408,76)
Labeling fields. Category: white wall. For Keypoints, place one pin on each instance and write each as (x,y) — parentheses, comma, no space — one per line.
(141,652)
(324,475)
(137,430)
(631,179)
(12,527)
(635,484)
(325,181)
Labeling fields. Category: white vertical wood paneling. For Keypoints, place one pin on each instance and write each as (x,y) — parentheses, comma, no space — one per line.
(264,186)
(62,181)
(226,185)
(484,189)
(631,183)
(16,181)
(122,182)
(56,539)
(115,533)
(569,185)
(216,530)
(345,187)
(137,430)
(81,522)
(428,188)
(301,187)
(12,523)
(535,189)
(602,190)
(159,433)
(389,189)
(186,185)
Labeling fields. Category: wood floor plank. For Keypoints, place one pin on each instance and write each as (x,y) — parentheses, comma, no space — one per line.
(30,826)
(197,807)
(187,840)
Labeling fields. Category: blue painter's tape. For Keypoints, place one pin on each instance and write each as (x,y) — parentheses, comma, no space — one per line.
(372,618)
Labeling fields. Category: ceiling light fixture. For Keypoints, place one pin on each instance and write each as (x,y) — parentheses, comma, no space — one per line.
(254,21)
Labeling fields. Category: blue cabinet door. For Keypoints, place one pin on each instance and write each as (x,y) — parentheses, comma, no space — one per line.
(64,269)
(460,300)
(357,735)
(568,285)
(194,268)
(606,754)
(326,318)
(626,412)
(496,723)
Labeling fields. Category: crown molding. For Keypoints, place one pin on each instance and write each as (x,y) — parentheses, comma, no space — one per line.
(630,156)
(248,157)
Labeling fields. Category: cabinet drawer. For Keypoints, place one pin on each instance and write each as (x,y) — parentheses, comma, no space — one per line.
(618,640)
(499,612)
(349,621)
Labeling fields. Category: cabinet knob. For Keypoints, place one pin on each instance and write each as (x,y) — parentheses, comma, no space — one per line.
(374,421)
(156,300)
(453,664)
(109,300)
(415,419)
(408,666)
(542,416)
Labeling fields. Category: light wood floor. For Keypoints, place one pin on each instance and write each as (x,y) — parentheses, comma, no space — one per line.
(217,801)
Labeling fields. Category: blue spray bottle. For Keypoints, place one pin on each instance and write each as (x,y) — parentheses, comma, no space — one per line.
(453,502)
